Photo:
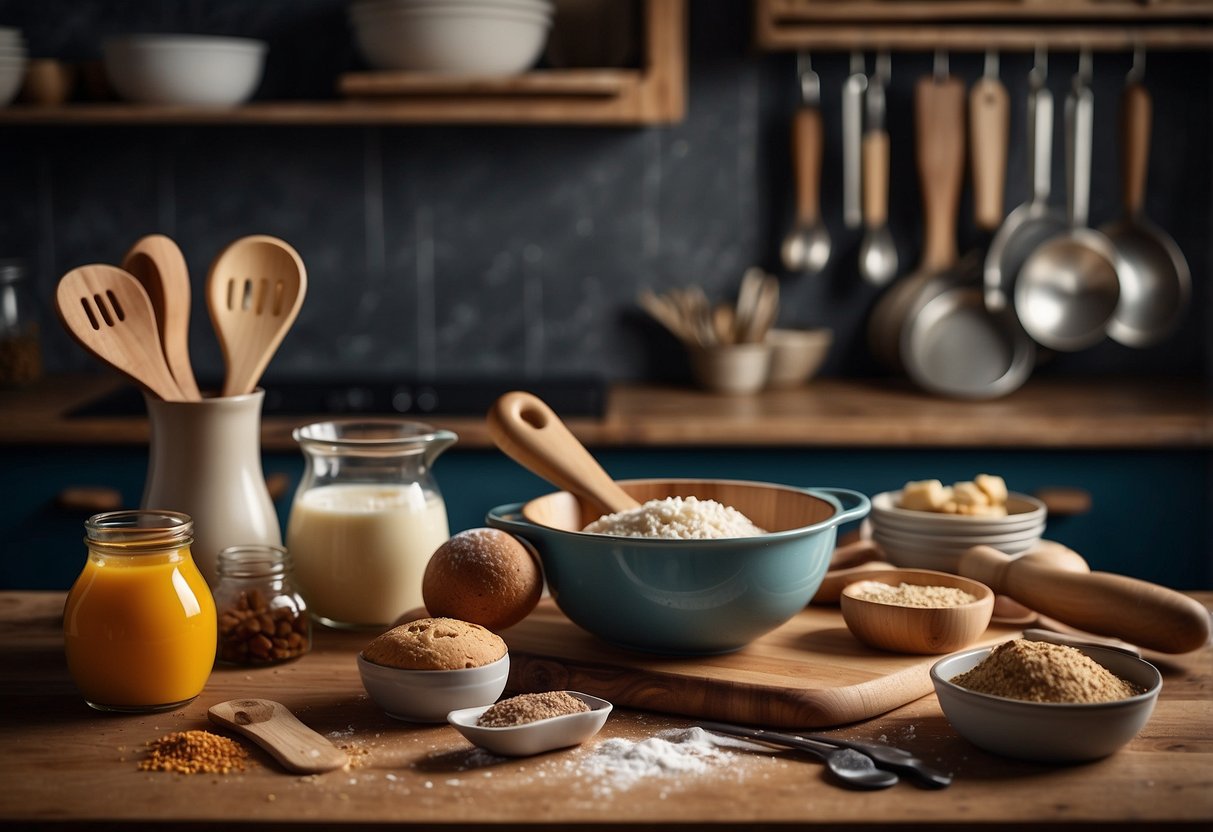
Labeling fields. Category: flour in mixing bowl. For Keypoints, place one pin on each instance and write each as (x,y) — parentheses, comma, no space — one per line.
(677,518)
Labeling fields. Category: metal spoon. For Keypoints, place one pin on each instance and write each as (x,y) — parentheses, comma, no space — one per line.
(806,248)
(1069,288)
(1156,280)
(877,251)
(157,263)
(254,291)
(850,767)
(1033,222)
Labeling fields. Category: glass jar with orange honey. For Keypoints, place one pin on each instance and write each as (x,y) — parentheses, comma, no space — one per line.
(139,624)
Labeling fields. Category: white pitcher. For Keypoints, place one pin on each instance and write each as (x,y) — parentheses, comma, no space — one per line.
(206,462)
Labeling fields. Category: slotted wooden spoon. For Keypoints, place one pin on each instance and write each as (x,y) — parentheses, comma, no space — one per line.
(530,433)
(157,263)
(271,725)
(108,313)
(254,291)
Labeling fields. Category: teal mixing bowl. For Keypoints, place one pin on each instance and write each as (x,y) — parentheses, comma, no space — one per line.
(686,597)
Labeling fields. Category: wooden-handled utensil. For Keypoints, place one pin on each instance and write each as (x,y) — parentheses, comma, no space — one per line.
(108,313)
(530,433)
(254,291)
(157,263)
(1136,611)
(272,726)
(989,119)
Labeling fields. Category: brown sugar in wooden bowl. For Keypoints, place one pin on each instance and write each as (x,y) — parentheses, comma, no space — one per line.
(916,611)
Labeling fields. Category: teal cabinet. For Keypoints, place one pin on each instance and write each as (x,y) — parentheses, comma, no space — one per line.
(1152,513)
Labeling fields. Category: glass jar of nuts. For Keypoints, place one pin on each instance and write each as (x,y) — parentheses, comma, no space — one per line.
(262,618)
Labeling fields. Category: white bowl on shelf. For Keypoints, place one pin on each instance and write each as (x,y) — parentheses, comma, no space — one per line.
(12,74)
(184,69)
(466,39)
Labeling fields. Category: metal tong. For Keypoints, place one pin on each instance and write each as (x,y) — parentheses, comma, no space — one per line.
(886,757)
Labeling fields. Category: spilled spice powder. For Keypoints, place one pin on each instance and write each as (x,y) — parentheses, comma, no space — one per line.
(1038,671)
(530,707)
(194,752)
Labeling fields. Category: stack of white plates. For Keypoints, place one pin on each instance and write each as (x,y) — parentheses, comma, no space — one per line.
(13,58)
(473,37)
(931,540)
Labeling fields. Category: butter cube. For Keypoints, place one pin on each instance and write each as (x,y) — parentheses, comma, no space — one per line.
(923,495)
(968,494)
(994,486)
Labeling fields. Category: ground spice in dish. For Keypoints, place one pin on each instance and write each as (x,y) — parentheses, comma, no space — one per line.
(911,595)
(194,752)
(530,707)
(1037,671)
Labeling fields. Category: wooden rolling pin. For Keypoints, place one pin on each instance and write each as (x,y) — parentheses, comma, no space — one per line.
(1137,611)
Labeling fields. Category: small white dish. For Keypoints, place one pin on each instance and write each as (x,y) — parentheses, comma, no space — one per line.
(429,695)
(533,737)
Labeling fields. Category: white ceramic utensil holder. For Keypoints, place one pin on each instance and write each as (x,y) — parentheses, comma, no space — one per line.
(205,461)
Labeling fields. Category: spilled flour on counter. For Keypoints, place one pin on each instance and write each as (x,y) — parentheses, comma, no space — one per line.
(619,764)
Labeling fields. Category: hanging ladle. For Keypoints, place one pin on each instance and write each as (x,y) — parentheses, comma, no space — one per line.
(253,292)
(530,433)
(1155,280)
(806,248)
(1069,287)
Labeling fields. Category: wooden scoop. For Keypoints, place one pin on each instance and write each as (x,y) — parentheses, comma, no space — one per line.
(531,434)
(273,727)
(254,291)
(109,314)
(157,263)
(1136,611)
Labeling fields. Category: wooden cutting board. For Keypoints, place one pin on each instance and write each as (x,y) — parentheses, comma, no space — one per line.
(809,673)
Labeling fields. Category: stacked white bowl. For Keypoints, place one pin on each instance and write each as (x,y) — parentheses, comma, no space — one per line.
(934,540)
(13,58)
(472,37)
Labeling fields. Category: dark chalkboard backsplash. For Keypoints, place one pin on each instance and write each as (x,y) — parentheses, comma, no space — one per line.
(518,251)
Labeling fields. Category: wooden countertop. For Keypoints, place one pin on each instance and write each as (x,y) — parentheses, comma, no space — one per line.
(68,767)
(1046,413)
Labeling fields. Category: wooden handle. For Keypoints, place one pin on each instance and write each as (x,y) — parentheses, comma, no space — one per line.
(531,434)
(1061,501)
(939,130)
(875,178)
(1137,611)
(1135,119)
(989,120)
(806,161)
(89,499)
(271,725)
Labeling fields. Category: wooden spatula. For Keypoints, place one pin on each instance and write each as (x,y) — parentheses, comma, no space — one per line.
(157,263)
(254,291)
(108,313)
(272,726)
(531,434)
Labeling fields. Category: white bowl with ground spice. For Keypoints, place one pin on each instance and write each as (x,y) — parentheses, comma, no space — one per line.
(1034,700)
(917,610)
(532,723)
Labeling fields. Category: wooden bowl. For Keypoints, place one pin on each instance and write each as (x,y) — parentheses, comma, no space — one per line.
(920,630)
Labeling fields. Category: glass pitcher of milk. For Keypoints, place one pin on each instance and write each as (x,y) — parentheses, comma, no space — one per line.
(366,517)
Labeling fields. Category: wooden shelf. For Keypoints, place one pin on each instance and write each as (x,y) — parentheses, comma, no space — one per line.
(977,25)
(655,94)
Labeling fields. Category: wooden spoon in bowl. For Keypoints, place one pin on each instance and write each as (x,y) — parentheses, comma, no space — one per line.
(254,291)
(531,434)
(157,263)
(108,313)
